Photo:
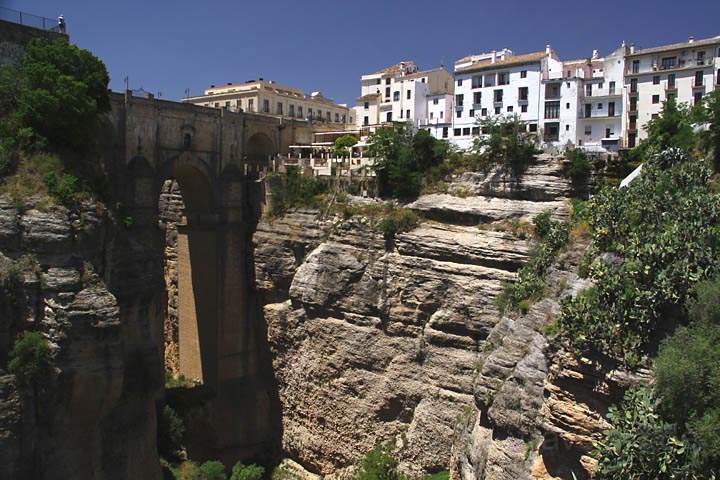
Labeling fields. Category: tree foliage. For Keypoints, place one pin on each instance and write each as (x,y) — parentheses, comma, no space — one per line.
(170,432)
(505,141)
(30,358)
(343,144)
(247,472)
(402,158)
(53,97)
(378,464)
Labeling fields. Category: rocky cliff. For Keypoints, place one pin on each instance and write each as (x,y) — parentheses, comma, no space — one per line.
(400,340)
(94,415)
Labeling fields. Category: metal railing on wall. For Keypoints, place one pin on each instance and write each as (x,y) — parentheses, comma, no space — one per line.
(30,20)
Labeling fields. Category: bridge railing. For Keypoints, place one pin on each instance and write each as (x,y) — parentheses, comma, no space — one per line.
(30,20)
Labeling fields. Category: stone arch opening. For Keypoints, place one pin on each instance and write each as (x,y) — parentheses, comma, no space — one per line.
(259,149)
(186,208)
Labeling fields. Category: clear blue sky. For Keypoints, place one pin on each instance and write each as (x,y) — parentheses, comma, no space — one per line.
(171,45)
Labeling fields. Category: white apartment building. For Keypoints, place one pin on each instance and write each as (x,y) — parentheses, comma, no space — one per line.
(500,83)
(271,98)
(398,93)
(683,71)
(439,115)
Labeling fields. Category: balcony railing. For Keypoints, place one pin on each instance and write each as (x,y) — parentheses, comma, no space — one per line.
(30,20)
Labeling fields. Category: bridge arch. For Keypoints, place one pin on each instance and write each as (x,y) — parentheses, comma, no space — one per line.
(259,147)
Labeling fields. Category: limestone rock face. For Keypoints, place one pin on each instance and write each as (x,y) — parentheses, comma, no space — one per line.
(94,416)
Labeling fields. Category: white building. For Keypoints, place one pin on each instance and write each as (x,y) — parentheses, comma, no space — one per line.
(439,115)
(271,98)
(683,71)
(500,83)
(398,93)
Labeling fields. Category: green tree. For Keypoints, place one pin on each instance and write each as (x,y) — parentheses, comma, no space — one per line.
(378,464)
(54,96)
(344,144)
(170,431)
(673,128)
(30,358)
(247,472)
(505,141)
(709,114)
(213,470)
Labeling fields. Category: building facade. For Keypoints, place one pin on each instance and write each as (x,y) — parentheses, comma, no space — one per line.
(682,71)
(270,98)
(399,93)
(497,84)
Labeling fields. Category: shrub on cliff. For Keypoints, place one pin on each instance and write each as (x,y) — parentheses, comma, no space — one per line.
(53,97)
(398,220)
(170,431)
(213,470)
(247,472)
(378,464)
(660,237)
(30,358)
(578,167)
(505,141)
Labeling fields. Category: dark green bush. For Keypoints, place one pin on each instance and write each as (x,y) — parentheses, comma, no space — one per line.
(542,223)
(62,187)
(170,432)
(506,142)
(398,220)
(578,168)
(30,358)
(378,464)
(213,470)
(247,472)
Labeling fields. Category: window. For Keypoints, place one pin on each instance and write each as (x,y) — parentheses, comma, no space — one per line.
(227,105)
(466,131)
(668,62)
(459,82)
(366,120)
(697,97)
(423,81)
(633,85)
(445,132)
(656,80)
(503,78)
(700,58)
(456,132)
(670,96)
(636,66)
(483,112)
(387,92)
(523,108)
(671,80)
(498,96)
(601,84)
(654,116)
(407,113)
(396,96)
(476,130)
(401,114)
(552,109)
(523,93)
(633,104)
(600,106)
(387,81)
(523,74)
(328,116)
(378,82)
(611,88)
(698,78)
(510,108)
(292,111)
(435,101)
(567,106)
(477,81)
(299,112)
(608,133)
(217,104)
(344,118)
(532,127)
(251,104)
(279,108)
(471,113)
(497,110)
(656,99)
(631,140)
(611,109)
(458,113)
(432,115)
(567,128)
(187,140)
(588,129)
(588,90)
(266,106)
(459,100)
(477,98)
(367,105)
(489,80)
(337,118)
(310,113)
(409,92)
(441,114)
(388,117)
(588,110)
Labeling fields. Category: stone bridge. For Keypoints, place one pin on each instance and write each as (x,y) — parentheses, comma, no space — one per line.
(215,157)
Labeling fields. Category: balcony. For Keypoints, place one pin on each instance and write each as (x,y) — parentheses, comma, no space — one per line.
(459,108)
(498,103)
(476,106)
(523,101)
(698,85)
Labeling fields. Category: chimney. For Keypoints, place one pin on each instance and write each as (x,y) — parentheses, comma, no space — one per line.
(493,56)
(595,54)
(548,50)
(632,48)
(691,39)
